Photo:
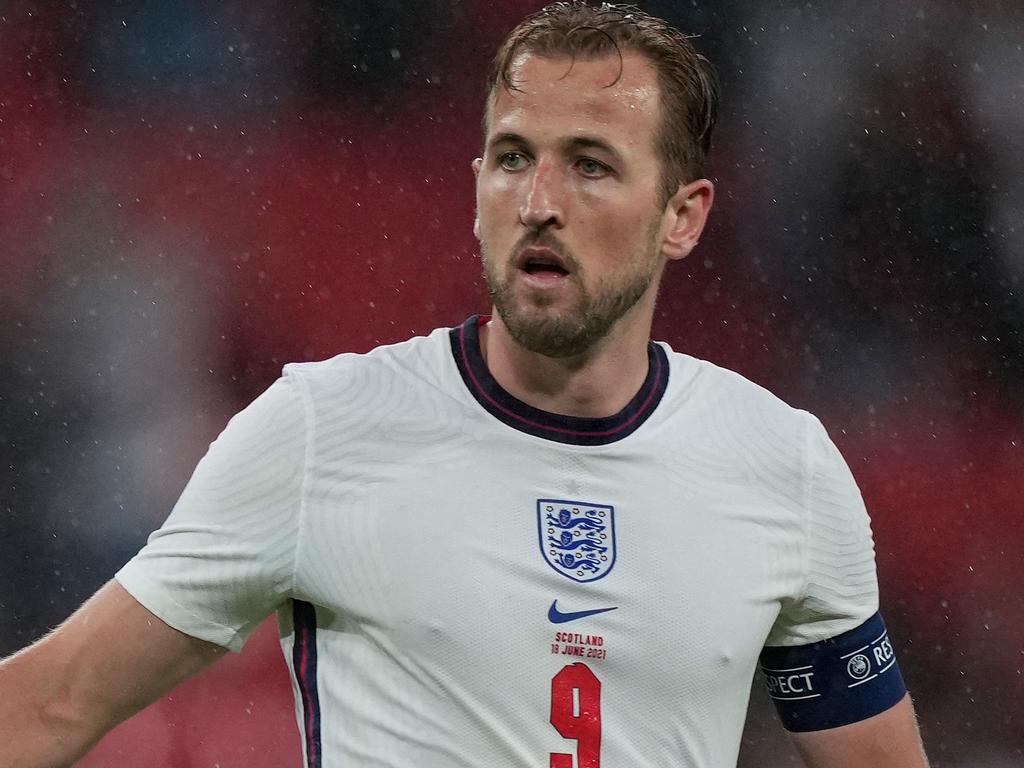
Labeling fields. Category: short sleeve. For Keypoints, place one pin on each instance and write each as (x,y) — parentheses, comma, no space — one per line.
(840,588)
(224,559)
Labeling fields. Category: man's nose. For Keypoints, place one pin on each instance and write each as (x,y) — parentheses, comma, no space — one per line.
(543,204)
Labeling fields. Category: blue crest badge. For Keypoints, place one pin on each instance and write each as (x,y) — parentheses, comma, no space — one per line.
(577,538)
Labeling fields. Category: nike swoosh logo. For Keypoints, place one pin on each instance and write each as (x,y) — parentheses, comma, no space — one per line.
(555,616)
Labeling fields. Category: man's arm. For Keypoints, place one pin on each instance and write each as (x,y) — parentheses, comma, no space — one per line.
(887,740)
(111,659)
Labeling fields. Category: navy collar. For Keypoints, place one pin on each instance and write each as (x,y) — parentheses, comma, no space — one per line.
(572,430)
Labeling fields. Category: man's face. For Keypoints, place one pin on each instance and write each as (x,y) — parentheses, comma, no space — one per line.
(568,211)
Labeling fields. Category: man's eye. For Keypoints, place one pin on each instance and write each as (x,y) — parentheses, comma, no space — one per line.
(593,168)
(512,161)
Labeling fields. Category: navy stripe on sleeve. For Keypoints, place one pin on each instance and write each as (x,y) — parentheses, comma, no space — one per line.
(842,680)
(304,663)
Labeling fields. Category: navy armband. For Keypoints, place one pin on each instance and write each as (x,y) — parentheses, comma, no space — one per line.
(839,681)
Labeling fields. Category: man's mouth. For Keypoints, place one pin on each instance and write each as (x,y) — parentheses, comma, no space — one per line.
(539,267)
(542,262)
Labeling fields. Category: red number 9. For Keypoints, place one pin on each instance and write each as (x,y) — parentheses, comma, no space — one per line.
(576,714)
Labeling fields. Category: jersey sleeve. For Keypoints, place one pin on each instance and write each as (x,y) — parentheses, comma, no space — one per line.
(840,588)
(224,559)
(828,660)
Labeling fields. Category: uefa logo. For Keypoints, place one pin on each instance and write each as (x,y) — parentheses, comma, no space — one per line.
(858,667)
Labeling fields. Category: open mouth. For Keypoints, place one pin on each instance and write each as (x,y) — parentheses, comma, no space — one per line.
(541,267)
(542,262)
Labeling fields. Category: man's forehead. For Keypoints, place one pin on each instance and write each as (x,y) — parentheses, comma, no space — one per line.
(606,70)
(604,88)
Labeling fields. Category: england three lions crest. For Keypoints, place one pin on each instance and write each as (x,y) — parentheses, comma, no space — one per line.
(577,538)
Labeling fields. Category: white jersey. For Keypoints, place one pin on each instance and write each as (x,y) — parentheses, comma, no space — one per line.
(463,580)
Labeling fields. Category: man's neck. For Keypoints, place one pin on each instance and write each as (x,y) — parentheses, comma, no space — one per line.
(597,383)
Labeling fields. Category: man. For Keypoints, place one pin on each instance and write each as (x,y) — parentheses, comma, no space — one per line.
(537,538)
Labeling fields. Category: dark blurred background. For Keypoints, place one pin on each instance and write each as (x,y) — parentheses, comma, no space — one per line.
(192,194)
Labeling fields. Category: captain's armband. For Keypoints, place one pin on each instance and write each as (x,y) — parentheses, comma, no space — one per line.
(838,681)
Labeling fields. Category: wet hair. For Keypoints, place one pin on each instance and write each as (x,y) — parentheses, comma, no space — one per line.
(688,85)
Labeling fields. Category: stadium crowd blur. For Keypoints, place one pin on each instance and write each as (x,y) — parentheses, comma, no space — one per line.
(192,194)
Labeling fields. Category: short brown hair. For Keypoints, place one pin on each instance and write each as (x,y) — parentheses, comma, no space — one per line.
(688,83)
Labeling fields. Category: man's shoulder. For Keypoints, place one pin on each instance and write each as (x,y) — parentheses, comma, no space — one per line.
(402,381)
(416,356)
(711,388)
(728,409)
(717,412)
(390,399)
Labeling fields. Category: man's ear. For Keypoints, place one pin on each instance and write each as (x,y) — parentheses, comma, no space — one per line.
(686,214)
(477,163)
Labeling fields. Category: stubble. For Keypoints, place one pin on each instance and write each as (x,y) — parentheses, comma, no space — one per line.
(565,332)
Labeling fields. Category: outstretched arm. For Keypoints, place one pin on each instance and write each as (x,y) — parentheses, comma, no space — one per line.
(109,660)
(887,740)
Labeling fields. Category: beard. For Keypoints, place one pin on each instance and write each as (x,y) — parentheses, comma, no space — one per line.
(539,327)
